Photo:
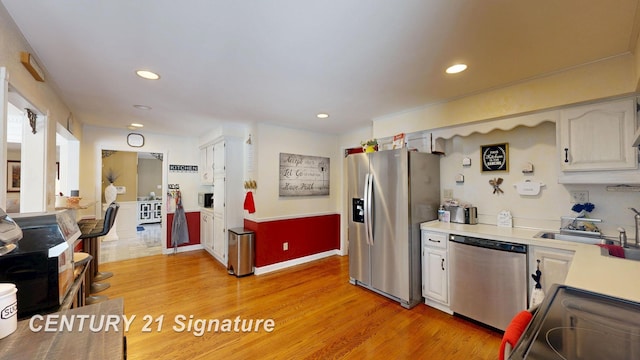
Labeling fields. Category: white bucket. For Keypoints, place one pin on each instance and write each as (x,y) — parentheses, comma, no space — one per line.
(8,310)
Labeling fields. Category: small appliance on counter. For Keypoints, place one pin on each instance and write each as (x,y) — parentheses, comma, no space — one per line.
(41,266)
(10,233)
(205,200)
(462,214)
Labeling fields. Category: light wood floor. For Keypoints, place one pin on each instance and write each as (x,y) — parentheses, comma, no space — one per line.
(317,314)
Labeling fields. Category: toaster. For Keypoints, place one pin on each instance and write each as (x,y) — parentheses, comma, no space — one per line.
(462,214)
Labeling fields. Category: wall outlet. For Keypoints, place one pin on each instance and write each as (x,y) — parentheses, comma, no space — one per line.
(579,197)
(447,193)
(285,246)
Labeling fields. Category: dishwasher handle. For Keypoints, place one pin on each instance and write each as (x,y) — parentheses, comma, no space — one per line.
(489,243)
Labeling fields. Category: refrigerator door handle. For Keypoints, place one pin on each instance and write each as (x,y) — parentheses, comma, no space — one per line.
(369,197)
(366,208)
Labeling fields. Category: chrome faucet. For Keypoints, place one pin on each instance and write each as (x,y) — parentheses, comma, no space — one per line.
(636,217)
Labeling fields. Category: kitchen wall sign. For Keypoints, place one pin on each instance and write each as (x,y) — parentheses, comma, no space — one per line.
(495,157)
(183,168)
(302,175)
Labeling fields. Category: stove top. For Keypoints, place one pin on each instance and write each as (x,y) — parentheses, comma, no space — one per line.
(576,324)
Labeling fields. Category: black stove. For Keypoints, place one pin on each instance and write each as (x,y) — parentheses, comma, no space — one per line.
(576,324)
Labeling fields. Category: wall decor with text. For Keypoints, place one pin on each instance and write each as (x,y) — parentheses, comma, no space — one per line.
(302,175)
(495,157)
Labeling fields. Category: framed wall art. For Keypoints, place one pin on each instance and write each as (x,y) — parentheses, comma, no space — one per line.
(13,176)
(495,157)
(302,175)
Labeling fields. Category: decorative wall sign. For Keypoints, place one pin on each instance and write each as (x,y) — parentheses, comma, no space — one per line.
(183,168)
(302,175)
(495,157)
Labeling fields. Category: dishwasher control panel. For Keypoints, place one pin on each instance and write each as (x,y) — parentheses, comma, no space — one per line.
(488,243)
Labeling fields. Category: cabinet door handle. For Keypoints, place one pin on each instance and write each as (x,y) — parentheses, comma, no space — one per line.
(566,155)
(435,241)
(442,264)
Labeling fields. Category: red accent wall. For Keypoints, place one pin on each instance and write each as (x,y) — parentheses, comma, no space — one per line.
(306,236)
(193,225)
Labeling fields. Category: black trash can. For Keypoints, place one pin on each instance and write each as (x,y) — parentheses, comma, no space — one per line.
(241,252)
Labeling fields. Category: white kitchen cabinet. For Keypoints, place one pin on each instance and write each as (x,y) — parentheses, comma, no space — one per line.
(206,165)
(595,142)
(219,191)
(228,193)
(206,230)
(219,157)
(219,239)
(435,271)
(554,265)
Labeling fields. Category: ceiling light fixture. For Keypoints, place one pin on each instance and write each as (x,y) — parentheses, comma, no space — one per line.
(457,68)
(146,74)
(142,107)
(136,125)
(322,116)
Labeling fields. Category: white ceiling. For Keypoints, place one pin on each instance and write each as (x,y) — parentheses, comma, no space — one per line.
(283,61)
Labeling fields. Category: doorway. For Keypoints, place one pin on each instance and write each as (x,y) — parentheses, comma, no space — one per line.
(138,179)
(26,130)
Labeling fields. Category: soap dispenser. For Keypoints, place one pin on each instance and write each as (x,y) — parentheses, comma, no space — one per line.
(622,237)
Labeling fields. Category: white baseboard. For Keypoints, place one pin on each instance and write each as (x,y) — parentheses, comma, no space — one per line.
(289,263)
(183,249)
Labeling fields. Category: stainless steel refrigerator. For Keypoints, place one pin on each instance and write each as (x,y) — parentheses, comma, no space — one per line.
(390,193)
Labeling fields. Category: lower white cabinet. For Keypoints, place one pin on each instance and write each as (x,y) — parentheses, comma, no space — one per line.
(219,239)
(206,230)
(554,265)
(435,270)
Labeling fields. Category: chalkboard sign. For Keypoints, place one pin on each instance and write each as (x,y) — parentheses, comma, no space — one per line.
(495,157)
(302,175)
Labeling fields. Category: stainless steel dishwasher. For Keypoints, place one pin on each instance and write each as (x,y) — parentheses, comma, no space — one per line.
(488,279)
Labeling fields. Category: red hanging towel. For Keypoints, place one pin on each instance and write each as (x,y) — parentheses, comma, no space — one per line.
(248,203)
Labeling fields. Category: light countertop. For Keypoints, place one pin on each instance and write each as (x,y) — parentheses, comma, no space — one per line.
(589,269)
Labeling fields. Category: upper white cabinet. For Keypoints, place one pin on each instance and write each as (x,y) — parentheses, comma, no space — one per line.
(206,165)
(219,156)
(596,139)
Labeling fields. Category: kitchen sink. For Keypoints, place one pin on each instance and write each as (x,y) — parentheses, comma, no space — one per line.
(629,253)
(568,237)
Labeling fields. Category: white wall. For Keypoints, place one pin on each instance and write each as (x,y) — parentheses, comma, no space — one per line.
(179,151)
(269,141)
(535,145)
(41,95)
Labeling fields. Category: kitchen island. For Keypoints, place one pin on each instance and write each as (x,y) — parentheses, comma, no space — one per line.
(589,269)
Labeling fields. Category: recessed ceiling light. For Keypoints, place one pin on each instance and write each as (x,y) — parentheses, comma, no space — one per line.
(136,125)
(454,69)
(322,116)
(149,75)
(142,107)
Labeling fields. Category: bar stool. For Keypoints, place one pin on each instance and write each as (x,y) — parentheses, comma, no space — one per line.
(80,260)
(92,246)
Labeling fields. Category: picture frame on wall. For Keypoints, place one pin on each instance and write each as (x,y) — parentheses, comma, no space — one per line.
(13,176)
(494,157)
